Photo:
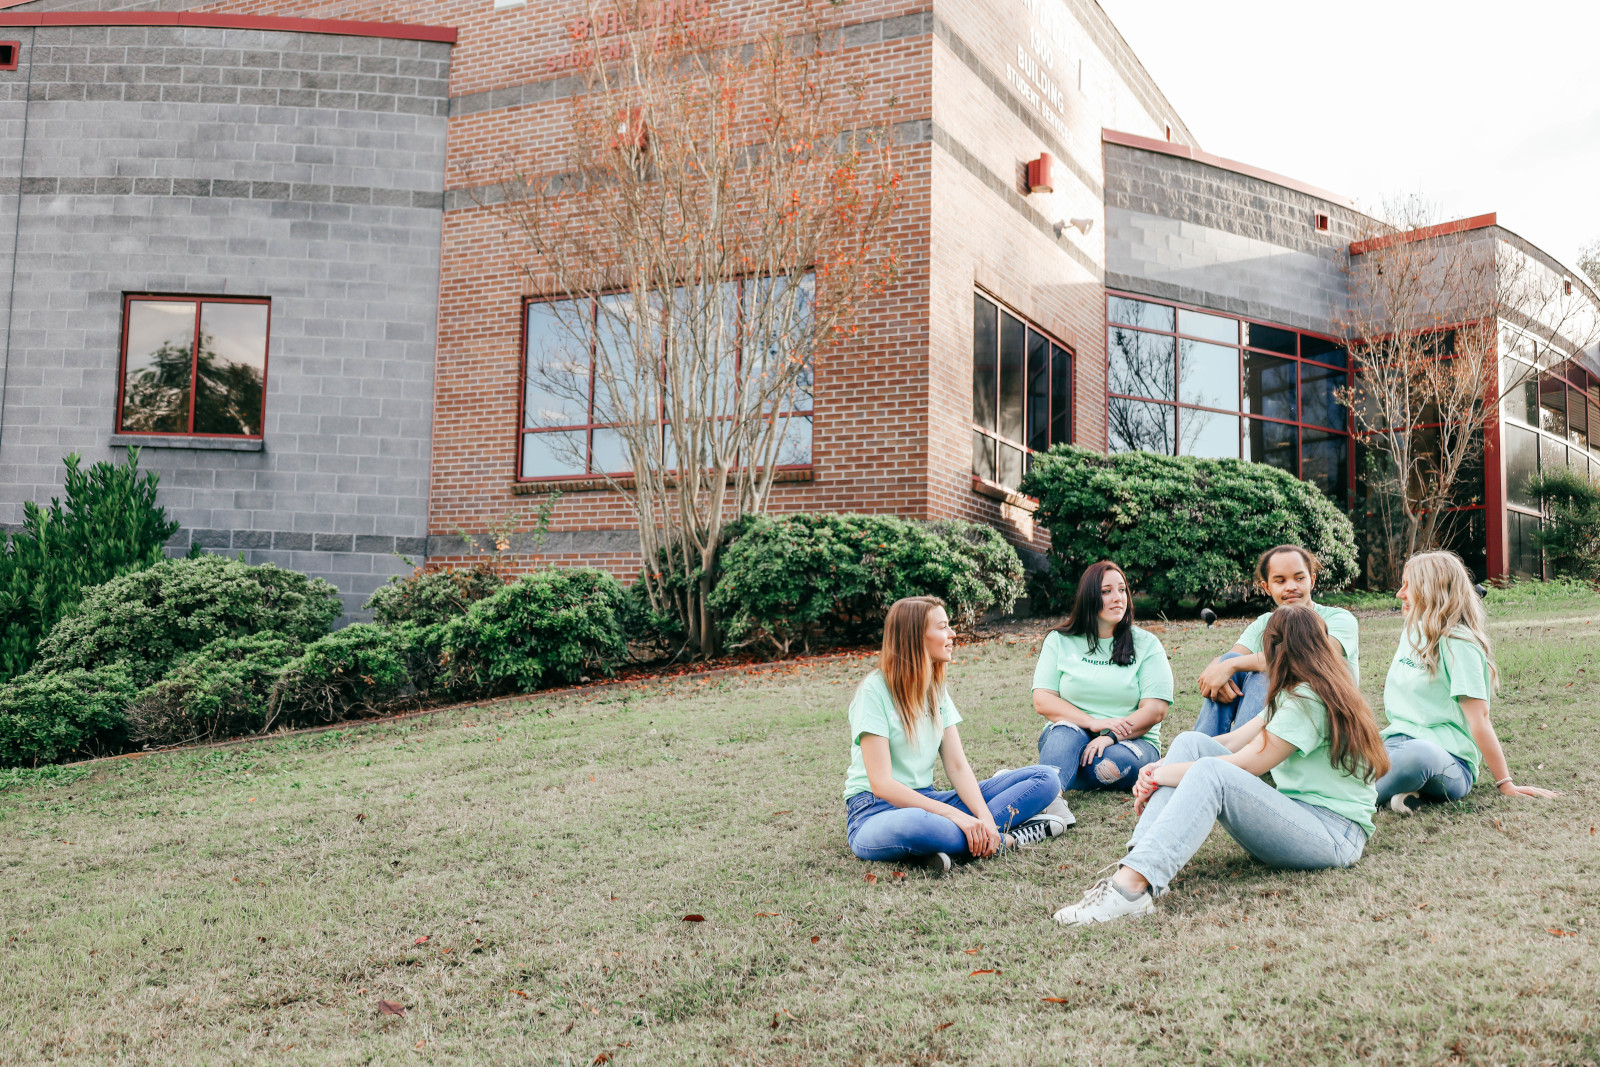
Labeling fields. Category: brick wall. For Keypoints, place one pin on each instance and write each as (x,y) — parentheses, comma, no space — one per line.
(303,167)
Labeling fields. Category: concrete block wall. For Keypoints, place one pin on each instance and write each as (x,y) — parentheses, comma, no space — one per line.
(1189,231)
(303,167)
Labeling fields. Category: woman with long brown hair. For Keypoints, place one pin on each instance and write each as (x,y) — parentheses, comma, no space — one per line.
(901,720)
(1318,738)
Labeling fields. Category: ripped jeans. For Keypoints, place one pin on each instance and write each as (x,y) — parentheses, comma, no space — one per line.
(1061,746)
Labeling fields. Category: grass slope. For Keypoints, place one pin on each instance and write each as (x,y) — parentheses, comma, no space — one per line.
(256,903)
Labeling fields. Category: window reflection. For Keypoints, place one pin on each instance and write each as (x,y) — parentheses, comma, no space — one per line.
(1270,383)
(985,348)
(1524,556)
(1139,313)
(1208,434)
(1323,351)
(1013,361)
(171,386)
(1274,443)
(1270,338)
(1319,403)
(1021,390)
(1209,327)
(1134,425)
(1325,463)
(1522,465)
(1141,364)
(1208,375)
(1553,406)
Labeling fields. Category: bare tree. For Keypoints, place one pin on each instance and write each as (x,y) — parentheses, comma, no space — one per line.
(1589,261)
(722,213)
(1425,319)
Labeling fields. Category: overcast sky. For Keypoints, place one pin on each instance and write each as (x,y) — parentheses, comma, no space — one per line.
(1475,106)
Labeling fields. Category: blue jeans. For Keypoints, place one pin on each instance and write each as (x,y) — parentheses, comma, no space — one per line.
(1061,746)
(1217,718)
(1417,766)
(1277,830)
(877,830)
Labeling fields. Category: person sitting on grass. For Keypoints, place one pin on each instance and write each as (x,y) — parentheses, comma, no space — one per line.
(1318,738)
(1103,685)
(1436,696)
(1234,684)
(901,720)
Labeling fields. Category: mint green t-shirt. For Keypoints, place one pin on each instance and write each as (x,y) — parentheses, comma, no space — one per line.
(1427,708)
(1096,686)
(1341,627)
(872,712)
(1309,774)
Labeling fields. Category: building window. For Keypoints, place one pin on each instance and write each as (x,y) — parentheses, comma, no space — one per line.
(1021,393)
(1190,382)
(9,51)
(193,365)
(567,429)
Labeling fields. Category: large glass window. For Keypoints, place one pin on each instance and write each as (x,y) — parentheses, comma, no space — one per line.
(568,427)
(1180,378)
(193,366)
(1522,465)
(1021,393)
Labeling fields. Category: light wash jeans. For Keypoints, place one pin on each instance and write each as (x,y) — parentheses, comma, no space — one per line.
(877,830)
(1217,718)
(1417,766)
(1277,830)
(1061,746)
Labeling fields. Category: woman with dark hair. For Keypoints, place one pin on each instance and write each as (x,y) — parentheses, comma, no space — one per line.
(1319,739)
(901,721)
(1103,685)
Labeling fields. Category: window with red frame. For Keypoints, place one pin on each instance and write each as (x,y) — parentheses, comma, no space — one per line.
(566,430)
(1021,393)
(193,365)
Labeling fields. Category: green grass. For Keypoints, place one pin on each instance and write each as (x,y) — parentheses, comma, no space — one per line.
(255,903)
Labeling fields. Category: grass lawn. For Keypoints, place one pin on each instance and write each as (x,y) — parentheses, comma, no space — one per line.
(517,878)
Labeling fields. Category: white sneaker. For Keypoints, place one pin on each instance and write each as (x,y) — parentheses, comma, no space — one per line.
(1058,808)
(1039,828)
(1102,903)
(998,771)
(1405,803)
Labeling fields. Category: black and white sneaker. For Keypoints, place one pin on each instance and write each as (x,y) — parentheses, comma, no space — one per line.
(1405,803)
(1037,829)
(938,864)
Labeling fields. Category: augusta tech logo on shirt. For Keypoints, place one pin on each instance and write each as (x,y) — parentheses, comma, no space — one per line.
(1406,661)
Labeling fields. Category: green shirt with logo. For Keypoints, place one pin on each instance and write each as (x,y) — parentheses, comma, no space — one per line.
(1429,709)
(1341,627)
(1308,774)
(1090,682)
(910,759)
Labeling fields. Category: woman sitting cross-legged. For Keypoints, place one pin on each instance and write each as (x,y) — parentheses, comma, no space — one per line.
(1318,738)
(1437,693)
(901,720)
(1104,684)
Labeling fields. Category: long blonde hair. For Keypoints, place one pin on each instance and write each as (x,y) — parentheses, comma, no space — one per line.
(916,682)
(1296,647)
(1444,604)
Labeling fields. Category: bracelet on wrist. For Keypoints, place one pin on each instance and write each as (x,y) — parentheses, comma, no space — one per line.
(1502,781)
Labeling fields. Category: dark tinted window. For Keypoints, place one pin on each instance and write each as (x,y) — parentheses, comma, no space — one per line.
(1061,396)
(1319,403)
(1272,442)
(1524,557)
(1522,465)
(1270,338)
(983,456)
(1323,351)
(1013,362)
(1038,392)
(1270,385)
(1464,535)
(1325,463)
(985,342)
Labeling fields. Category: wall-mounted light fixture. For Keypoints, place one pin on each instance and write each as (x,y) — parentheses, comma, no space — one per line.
(1041,174)
(1083,226)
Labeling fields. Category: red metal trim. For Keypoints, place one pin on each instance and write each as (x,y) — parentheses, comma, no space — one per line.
(1476,222)
(404,31)
(1151,144)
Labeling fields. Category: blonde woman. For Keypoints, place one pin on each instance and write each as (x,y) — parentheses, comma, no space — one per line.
(901,720)
(1437,693)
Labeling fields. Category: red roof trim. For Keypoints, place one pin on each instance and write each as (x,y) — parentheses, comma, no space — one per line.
(1151,144)
(404,31)
(1476,222)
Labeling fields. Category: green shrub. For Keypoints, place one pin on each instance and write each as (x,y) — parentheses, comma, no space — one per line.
(110,524)
(818,579)
(553,627)
(150,618)
(429,598)
(45,718)
(347,672)
(220,691)
(1180,527)
(1570,534)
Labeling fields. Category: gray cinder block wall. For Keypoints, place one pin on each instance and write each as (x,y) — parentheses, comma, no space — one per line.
(307,168)
(1184,230)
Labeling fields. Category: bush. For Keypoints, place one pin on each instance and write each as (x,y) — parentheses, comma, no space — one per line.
(1180,527)
(1570,534)
(220,691)
(149,619)
(49,717)
(552,627)
(109,525)
(348,672)
(429,598)
(819,579)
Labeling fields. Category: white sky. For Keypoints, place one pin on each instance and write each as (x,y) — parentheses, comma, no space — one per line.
(1475,106)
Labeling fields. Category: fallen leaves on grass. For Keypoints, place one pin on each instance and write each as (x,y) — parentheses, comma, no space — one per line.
(520,993)
(1558,932)
(870,878)
(815,939)
(944,1026)
(423,940)
(694,918)
(1053,1000)
(899,874)
(604,1057)
(768,914)
(785,811)
(974,973)
(389,1007)
(973,951)
(361,817)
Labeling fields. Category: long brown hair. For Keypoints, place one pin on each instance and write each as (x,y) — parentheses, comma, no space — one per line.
(916,682)
(1298,653)
(1085,618)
